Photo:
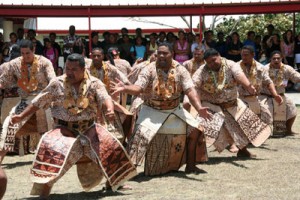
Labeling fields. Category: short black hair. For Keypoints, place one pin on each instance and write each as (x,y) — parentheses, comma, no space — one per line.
(77,57)
(26,44)
(12,33)
(165,44)
(98,49)
(249,48)
(275,52)
(52,33)
(210,52)
(94,33)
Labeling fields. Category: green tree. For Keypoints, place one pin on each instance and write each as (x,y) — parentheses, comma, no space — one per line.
(258,24)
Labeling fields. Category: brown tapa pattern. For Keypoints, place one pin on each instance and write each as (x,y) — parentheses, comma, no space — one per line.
(57,153)
(251,125)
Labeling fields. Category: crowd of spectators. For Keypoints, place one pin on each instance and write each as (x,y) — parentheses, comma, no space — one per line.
(137,47)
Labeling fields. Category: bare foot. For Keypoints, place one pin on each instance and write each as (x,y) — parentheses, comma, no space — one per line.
(194,170)
(125,187)
(122,187)
(244,153)
(233,148)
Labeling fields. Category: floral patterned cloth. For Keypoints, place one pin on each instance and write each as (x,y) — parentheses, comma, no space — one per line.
(148,77)
(122,65)
(191,66)
(54,94)
(12,73)
(262,79)
(229,93)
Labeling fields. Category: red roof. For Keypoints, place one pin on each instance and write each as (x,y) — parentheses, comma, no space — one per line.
(151,9)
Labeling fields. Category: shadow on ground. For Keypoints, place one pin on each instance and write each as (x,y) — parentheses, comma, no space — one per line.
(178,174)
(82,195)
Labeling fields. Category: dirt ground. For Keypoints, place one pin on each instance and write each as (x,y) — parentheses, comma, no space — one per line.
(274,174)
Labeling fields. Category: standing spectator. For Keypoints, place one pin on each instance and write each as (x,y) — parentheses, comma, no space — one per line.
(234,48)
(270,30)
(20,35)
(138,51)
(105,41)
(52,37)
(112,42)
(139,33)
(287,46)
(190,38)
(197,43)
(95,43)
(8,45)
(72,43)
(273,44)
(124,31)
(209,39)
(250,41)
(152,45)
(182,48)
(51,53)
(297,51)
(125,47)
(221,44)
(258,46)
(38,45)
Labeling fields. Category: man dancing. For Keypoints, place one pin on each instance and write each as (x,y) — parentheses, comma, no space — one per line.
(31,73)
(162,83)
(108,73)
(233,122)
(259,78)
(283,114)
(74,99)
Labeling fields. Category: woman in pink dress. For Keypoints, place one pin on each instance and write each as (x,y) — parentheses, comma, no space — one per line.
(181,48)
(51,53)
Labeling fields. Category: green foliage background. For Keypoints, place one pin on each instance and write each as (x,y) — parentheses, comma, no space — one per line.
(258,24)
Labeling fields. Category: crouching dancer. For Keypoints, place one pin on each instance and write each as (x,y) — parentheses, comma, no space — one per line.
(163,126)
(76,139)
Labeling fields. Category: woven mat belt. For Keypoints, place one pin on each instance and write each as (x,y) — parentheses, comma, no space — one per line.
(79,126)
(163,104)
(227,104)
